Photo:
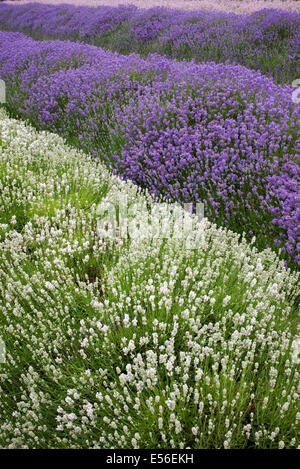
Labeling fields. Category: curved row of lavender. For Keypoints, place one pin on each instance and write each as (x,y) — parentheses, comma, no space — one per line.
(220,134)
(267,40)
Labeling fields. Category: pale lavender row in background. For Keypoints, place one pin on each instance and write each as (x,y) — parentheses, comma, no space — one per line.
(236,6)
(187,132)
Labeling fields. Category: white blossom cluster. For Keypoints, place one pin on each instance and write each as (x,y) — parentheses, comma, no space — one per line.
(128,343)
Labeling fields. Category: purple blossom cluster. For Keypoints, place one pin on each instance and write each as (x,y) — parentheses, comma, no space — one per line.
(216,133)
(267,40)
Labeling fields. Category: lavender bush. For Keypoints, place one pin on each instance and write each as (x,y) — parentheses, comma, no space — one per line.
(267,40)
(219,134)
(136,344)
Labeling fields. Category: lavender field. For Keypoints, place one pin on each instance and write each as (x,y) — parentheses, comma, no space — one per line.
(129,319)
(267,40)
(235,6)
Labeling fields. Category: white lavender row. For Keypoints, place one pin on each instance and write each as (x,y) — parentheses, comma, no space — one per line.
(127,343)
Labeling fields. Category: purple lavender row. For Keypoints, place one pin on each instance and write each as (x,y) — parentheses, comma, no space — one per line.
(267,40)
(219,134)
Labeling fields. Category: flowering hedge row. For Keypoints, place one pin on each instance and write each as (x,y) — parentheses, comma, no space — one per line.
(126,343)
(219,134)
(236,6)
(267,40)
